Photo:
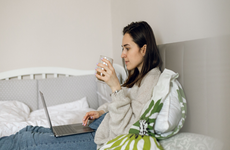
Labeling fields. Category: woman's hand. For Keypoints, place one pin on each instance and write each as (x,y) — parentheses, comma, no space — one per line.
(92,115)
(110,76)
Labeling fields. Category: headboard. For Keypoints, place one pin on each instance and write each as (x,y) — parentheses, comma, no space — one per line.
(53,72)
(44,71)
(24,85)
(204,69)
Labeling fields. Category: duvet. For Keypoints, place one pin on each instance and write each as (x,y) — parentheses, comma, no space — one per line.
(15,115)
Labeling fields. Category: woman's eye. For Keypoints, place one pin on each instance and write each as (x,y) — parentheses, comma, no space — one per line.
(125,49)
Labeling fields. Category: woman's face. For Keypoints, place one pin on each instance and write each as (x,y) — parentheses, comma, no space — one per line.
(132,53)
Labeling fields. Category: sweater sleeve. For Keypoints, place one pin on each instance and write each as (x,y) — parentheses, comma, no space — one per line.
(104,107)
(122,108)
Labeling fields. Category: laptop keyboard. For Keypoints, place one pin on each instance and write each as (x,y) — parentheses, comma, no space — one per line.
(64,129)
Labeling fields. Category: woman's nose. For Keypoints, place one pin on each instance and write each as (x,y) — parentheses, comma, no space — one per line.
(123,55)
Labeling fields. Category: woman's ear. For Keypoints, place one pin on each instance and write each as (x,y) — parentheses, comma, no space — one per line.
(143,49)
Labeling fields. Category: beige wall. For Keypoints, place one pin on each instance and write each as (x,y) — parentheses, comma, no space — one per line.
(171,20)
(70,33)
(73,33)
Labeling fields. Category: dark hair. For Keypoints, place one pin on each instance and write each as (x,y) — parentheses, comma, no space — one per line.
(142,34)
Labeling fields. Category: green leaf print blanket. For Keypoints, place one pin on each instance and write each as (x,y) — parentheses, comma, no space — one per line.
(142,135)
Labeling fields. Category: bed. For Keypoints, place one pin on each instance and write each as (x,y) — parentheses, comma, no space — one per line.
(203,67)
(69,94)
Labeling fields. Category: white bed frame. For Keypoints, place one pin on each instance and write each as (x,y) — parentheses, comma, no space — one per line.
(55,71)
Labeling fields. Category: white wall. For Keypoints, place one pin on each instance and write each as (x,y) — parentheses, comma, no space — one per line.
(70,33)
(171,20)
(73,33)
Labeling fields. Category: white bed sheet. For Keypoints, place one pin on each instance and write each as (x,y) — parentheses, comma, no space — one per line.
(15,115)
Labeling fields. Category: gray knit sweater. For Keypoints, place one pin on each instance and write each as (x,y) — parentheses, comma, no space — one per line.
(125,108)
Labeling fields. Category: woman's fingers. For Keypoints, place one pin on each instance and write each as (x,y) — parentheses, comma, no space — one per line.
(84,122)
(107,70)
(104,72)
(106,65)
(89,116)
(94,115)
(85,118)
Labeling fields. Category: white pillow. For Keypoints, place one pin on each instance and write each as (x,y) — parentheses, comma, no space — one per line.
(75,105)
(80,104)
(67,113)
(170,114)
(191,141)
(13,111)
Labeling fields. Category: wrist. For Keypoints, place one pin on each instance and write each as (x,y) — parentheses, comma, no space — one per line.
(115,93)
(101,112)
(117,88)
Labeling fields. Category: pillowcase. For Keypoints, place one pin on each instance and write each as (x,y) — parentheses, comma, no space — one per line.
(12,111)
(191,141)
(63,112)
(75,105)
(67,113)
(170,114)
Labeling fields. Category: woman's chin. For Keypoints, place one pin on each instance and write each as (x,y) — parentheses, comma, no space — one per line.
(129,69)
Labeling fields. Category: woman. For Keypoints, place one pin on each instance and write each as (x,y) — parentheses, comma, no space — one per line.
(143,62)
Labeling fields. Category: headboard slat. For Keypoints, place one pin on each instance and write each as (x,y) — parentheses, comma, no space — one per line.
(32,76)
(43,76)
(55,75)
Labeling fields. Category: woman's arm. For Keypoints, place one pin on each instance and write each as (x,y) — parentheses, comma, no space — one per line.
(103,107)
(124,112)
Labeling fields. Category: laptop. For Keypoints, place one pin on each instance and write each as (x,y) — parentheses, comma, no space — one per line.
(64,130)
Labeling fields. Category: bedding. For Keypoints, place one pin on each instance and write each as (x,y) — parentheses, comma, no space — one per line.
(191,141)
(170,114)
(15,115)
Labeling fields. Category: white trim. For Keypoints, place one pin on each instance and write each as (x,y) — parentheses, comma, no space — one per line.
(43,71)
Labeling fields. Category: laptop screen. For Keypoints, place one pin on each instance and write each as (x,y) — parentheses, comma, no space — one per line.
(46,110)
